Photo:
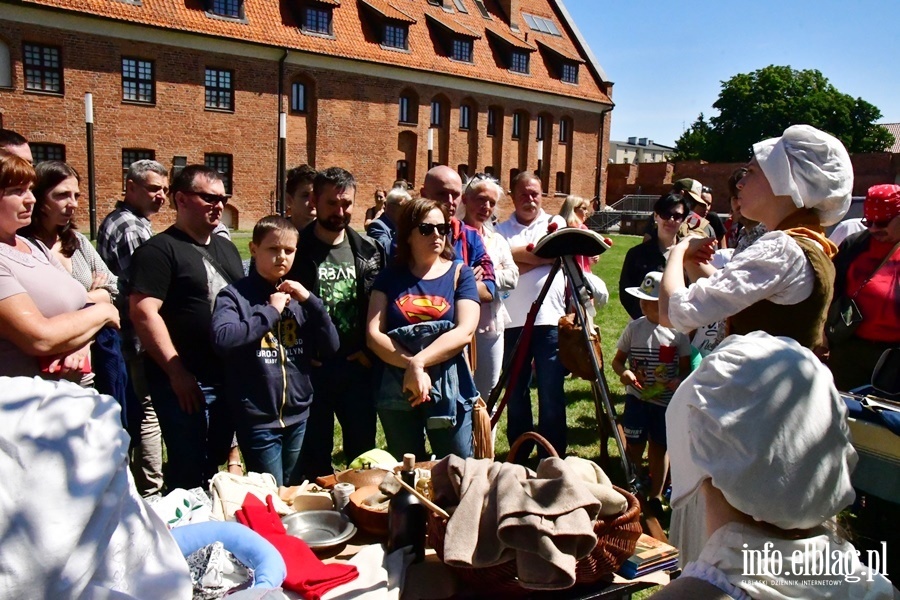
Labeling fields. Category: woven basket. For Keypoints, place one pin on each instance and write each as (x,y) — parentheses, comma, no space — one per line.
(616,540)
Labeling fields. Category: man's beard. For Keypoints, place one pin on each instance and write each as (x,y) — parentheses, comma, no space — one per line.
(334,224)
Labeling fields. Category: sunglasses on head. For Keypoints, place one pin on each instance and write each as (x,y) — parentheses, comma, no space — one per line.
(211,198)
(479,177)
(676,216)
(879,224)
(426,229)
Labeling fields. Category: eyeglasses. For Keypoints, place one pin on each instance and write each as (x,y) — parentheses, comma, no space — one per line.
(155,189)
(673,216)
(210,198)
(879,224)
(426,229)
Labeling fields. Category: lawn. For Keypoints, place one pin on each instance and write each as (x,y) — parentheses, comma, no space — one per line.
(580,415)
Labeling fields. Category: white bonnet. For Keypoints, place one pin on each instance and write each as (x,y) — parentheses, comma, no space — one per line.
(762,420)
(810,166)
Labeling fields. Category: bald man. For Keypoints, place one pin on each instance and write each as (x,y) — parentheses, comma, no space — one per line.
(442,184)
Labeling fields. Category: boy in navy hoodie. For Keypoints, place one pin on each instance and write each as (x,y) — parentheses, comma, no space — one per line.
(266,329)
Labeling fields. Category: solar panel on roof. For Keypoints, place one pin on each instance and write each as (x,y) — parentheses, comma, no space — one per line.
(530,20)
(553,28)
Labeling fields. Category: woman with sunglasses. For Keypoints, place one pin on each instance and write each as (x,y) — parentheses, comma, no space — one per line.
(56,194)
(795,185)
(669,213)
(422,312)
(45,326)
(867,269)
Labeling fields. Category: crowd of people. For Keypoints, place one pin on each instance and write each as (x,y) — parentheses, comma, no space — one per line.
(410,322)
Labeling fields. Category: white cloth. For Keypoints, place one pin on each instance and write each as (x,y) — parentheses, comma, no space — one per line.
(494,315)
(519,301)
(73,525)
(724,559)
(845,229)
(762,420)
(381,575)
(810,166)
(773,268)
(182,507)
(228,492)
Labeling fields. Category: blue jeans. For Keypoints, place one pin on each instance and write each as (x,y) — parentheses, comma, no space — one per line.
(544,351)
(343,388)
(274,451)
(404,431)
(196,444)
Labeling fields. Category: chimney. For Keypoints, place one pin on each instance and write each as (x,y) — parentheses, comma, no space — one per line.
(632,140)
(511,8)
(642,142)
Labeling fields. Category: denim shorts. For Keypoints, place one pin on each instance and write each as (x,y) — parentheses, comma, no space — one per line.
(644,420)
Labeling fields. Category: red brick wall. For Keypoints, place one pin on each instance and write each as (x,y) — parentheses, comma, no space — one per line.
(351,121)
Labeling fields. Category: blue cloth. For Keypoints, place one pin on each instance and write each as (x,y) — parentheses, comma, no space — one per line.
(197,444)
(412,300)
(643,420)
(469,247)
(384,231)
(885,418)
(544,351)
(247,546)
(111,378)
(447,417)
(274,451)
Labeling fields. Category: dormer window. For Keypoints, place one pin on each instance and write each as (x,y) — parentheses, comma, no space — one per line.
(518,61)
(563,63)
(395,35)
(569,72)
(232,9)
(516,52)
(462,50)
(458,39)
(317,19)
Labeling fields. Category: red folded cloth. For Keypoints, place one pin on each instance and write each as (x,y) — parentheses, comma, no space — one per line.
(305,572)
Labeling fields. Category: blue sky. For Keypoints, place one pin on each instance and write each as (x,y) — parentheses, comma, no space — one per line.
(668,58)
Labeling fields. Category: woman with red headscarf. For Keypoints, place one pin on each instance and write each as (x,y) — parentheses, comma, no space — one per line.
(867,270)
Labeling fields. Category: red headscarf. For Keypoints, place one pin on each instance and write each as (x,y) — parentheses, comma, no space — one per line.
(882,203)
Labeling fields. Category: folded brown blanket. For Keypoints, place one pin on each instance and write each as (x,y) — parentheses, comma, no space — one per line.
(544,520)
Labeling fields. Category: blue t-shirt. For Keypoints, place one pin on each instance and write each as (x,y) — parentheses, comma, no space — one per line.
(412,300)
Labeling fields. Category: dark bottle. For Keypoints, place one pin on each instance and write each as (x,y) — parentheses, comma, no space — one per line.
(407,515)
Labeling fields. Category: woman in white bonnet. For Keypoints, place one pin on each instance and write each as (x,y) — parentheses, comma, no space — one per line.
(764,444)
(782,284)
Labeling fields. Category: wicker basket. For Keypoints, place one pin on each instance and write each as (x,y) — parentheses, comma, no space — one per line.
(616,540)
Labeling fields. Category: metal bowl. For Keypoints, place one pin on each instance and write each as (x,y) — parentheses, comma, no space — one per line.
(320,528)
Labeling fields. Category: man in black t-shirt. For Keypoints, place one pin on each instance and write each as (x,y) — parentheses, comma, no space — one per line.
(175,277)
(339,266)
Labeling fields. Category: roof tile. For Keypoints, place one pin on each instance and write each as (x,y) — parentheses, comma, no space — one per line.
(452,26)
(388,11)
(561,52)
(509,38)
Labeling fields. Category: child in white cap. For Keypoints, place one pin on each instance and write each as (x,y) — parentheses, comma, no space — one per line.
(759,437)
(658,359)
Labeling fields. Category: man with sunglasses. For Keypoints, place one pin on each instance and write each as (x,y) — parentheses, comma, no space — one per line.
(338,265)
(443,184)
(175,277)
(120,234)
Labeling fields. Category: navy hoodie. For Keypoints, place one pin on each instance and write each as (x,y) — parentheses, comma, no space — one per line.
(266,355)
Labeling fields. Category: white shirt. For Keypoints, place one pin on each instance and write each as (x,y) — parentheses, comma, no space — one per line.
(773,268)
(519,300)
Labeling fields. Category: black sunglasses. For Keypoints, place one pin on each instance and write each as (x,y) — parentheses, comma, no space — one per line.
(211,198)
(676,216)
(879,224)
(426,229)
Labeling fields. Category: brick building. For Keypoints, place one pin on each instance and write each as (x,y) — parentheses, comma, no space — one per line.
(362,84)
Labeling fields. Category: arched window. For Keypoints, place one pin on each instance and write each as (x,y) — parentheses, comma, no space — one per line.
(409,107)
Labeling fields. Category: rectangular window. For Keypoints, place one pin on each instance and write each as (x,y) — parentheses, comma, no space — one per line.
(464,116)
(222,164)
(395,36)
(41,152)
(43,69)
(402,170)
(138,84)
(479,4)
(317,20)
(226,8)
(404,110)
(563,131)
(540,127)
(219,89)
(462,50)
(517,126)
(569,72)
(541,24)
(298,97)
(519,62)
(132,155)
(491,121)
(435,113)
(560,182)
(460,6)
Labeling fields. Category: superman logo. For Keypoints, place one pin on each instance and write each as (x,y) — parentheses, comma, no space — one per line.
(419,308)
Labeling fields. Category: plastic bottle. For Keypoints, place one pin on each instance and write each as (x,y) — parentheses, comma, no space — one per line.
(407,515)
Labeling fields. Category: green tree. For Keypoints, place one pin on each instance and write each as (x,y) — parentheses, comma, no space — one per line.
(762,104)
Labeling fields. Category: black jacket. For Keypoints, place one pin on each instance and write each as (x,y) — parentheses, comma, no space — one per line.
(368,257)
(639,261)
(266,354)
